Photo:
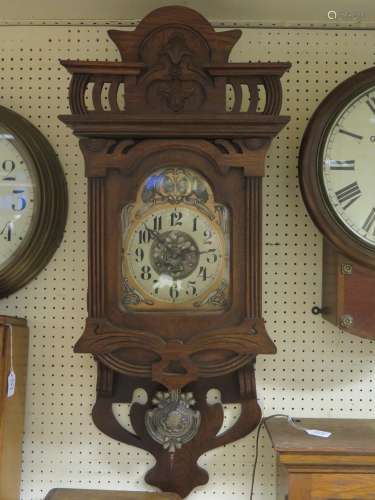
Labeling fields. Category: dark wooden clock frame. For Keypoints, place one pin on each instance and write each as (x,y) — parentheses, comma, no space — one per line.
(175,79)
(348,299)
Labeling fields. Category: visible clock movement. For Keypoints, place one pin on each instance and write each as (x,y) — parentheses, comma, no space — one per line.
(337,180)
(33,202)
(174,139)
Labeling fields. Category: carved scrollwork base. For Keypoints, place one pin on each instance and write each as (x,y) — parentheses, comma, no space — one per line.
(178,471)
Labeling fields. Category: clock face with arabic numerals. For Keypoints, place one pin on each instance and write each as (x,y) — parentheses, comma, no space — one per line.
(33,201)
(175,245)
(19,195)
(348,168)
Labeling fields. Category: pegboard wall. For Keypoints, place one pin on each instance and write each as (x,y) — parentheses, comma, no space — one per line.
(318,371)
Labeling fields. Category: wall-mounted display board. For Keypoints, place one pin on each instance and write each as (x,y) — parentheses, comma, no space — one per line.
(175,224)
(318,371)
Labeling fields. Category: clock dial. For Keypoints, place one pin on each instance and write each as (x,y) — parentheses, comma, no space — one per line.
(18,194)
(176,245)
(348,169)
(175,254)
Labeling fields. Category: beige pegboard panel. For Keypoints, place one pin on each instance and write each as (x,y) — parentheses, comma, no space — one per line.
(318,370)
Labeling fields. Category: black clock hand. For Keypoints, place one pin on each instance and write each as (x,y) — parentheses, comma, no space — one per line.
(207,251)
(156,235)
(198,253)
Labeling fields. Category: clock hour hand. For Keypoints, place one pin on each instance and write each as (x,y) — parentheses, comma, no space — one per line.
(156,235)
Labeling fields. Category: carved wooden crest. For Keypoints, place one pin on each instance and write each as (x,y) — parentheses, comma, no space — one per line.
(174,139)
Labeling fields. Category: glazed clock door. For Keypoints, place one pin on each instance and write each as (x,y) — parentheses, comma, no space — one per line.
(176,245)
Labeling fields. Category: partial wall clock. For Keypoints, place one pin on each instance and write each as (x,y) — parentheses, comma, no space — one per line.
(174,140)
(337,178)
(33,202)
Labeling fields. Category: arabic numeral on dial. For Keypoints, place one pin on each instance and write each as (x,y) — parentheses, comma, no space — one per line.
(156,287)
(158,222)
(146,273)
(203,273)
(191,289)
(173,291)
(211,258)
(176,219)
(207,234)
(21,201)
(195,224)
(8,166)
(7,231)
(144,236)
(139,254)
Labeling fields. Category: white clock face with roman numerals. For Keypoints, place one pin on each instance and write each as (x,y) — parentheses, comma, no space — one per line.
(348,167)
(17,196)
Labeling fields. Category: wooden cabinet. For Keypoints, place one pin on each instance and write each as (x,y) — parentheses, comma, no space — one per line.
(12,409)
(341,467)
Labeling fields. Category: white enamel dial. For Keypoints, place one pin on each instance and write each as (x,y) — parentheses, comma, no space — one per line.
(175,254)
(348,167)
(17,196)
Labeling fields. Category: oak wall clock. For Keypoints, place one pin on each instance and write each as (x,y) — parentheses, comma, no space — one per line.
(174,139)
(338,183)
(33,201)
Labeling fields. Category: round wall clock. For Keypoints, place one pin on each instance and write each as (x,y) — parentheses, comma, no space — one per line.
(337,178)
(337,167)
(33,202)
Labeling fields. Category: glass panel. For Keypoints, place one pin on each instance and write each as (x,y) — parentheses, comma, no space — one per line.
(176,245)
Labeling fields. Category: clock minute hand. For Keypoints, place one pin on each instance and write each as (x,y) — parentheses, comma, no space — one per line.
(198,253)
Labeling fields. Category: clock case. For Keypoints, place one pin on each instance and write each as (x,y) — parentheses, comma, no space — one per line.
(166,104)
(348,299)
